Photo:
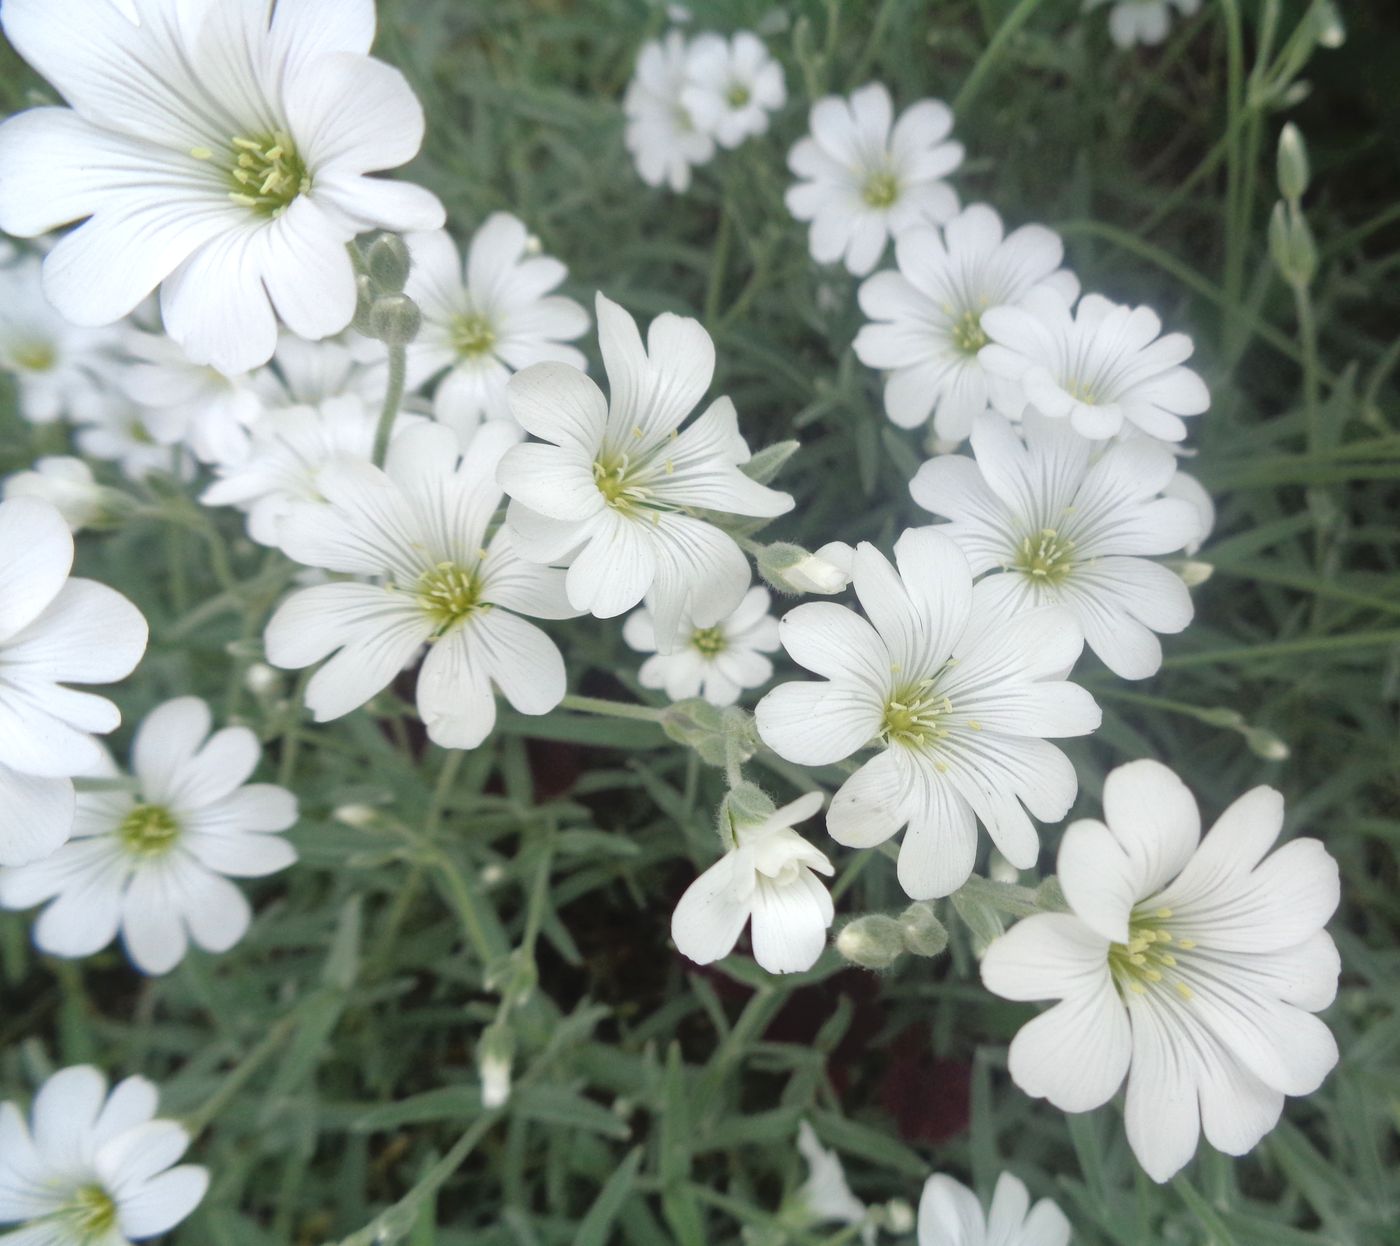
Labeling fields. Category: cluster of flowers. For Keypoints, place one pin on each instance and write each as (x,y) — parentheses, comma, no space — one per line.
(1188,966)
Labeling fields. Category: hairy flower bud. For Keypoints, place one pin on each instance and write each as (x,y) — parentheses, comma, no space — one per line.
(395,319)
(874,941)
(791,569)
(1293,173)
(388,262)
(494,1057)
(923,933)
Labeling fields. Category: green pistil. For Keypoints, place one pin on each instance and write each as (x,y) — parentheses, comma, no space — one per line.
(448,594)
(35,357)
(92,1213)
(618,481)
(915,716)
(472,336)
(149,831)
(881,190)
(1047,557)
(267,174)
(1148,958)
(709,641)
(968,334)
(738,95)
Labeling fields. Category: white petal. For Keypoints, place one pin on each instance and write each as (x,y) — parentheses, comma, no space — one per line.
(521,660)
(162,1202)
(712,913)
(815,724)
(38,553)
(1075,1054)
(655,388)
(874,803)
(1154,818)
(789,923)
(454,695)
(559,403)
(36,816)
(89,634)
(1046,956)
(937,853)
(1162,1110)
(64,1113)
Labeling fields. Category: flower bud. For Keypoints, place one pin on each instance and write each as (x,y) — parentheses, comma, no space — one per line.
(395,319)
(67,483)
(1291,245)
(364,300)
(1193,574)
(494,1056)
(791,569)
(388,263)
(923,933)
(746,805)
(1292,163)
(1264,743)
(899,1216)
(261,680)
(769,461)
(874,941)
(1328,29)
(358,816)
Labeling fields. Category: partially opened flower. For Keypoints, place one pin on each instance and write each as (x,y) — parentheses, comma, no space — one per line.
(825,1197)
(215,148)
(1142,21)
(154,864)
(731,85)
(415,535)
(1055,523)
(1191,966)
(617,490)
(661,134)
(767,877)
(865,177)
(951,1215)
(485,321)
(66,483)
(716,662)
(57,366)
(927,317)
(54,631)
(91,1168)
(1101,366)
(957,700)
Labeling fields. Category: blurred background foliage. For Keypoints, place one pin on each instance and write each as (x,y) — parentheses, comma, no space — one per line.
(330,1060)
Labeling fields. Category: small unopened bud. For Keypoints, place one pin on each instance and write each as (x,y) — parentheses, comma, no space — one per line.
(364,300)
(923,933)
(1291,245)
(1193,574)
(874,941)
(67,484)
(791,569)
(492,875)
(395,319)
(1327,25)
(533,245)
(746,805)
(261,680)
(388,263)
(358,816)
(494,1057)
(1264,743)
(1293,171)
(899,1216)
(1000,870)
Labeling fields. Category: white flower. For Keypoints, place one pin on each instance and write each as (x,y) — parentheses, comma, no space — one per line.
(141,441)
(617,490)
(1191,966)
(1189,489)
(219,149)
(1054,522)
(928,315)
(950,1215)
(488,320)
(93,1169)
(958,702)
(767,877)
(1101,367)
(1142,21)
(286,452)
(716,662)
(826,1196)
(57,366)
(305,374)
(64,482)
(155,864)
(731,86)
(53,631)
(210,412)
(825,572)
(862,181)
(416,535)
(661,135)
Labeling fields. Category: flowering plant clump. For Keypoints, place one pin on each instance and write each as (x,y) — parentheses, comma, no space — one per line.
(620,624)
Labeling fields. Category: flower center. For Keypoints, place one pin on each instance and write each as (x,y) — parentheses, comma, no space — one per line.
(472,335)
(968,334)
(881,190)
(738,95)
(1082,390)
(149,831)
(35,357)
(620,482)
(448,594)
(709,641)
(91,1214)
(1046,556)
(1146,960)
(914,715)
(267,173)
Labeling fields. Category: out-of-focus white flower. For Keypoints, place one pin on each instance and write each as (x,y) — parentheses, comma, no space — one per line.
(1101,366)
(825,1197)
(93,1169)
(305,374)
(716,662)
(766,877)
(58,367)
(865,177)
(1056,524)
(958,701)
(927,328)
(154,865)
(54,631)
(661,134)
(1190,490)
(1142,21)
(416,536)
(64,482)
(731,86)
(611,487)
(141,441)
(483,322)
(219,150)
(950,1215)
(1191,966)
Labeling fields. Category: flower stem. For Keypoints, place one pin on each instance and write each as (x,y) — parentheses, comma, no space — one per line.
(611,709)
(1017,18)
(393,398)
